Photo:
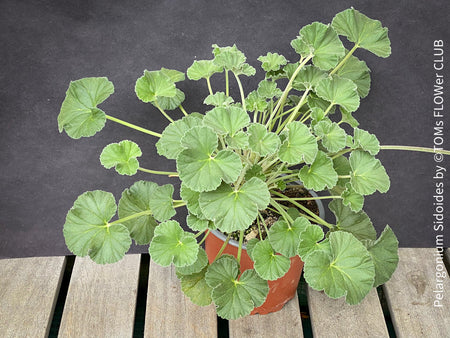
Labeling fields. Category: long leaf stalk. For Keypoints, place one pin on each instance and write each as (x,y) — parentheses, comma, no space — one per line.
(132,126)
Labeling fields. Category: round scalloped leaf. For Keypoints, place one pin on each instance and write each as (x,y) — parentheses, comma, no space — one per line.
(368,174)
(230,58)
(134,200)
(309,241)
(197,266)
(308,77)
(357,71)
(161,202)
(194,286)
(320,174)
(87,229)
(174,75)
(191,198)
(384,252)
(272,61)
(261,141)
(255,171)
(300,145)
(79,115)
(268,89)
(254,102)
(225,267)
(226,120)
(233,210)
(352,199)
(173,245)
(356,223)
(347,270)
(269,265)
(363,31)
(315,102)
(198,224)
(366,141)
(348,118)
(249,247)
(237,141)
(334,138)
(285,238)
(324,43)
(170,103)
(122,156)
(169,145)
(339,91)
(218,99)
(202,69)
(154,84)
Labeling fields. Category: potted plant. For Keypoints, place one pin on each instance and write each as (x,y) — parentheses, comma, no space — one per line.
(237,162)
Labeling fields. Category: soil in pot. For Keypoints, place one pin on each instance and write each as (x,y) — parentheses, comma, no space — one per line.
(283,289)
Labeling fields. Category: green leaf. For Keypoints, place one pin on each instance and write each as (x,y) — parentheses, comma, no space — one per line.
(356,223)
(87,230)
(218,99)
(198,224)
(308,77)
(237,141)
(333,137)
(161,202)
(199,168)
(261,141)
(368,174)
(250,246)
(79,115)
(272,61)
(235,297)
(347,270)
(339,91)
(226,120)
(232,59)
(320,174)
(323,43)
(348,118)
(191,198)
(174,75)
(285,238)
(153,85)
(173,245)
(384,252)
(233,210)
(197,266)
(357,71)
(134,200)
(170,103)
(268,89)
(122,156)
(194,286)
(254,102)
(300,145)
(309,241)
(203,69)
(315,102)
(363,31)
(342,167)
(255,171)
(269,265)
(366,141)
(169,145)
(352,199)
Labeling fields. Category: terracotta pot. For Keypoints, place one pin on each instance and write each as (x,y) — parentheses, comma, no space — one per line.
(281,290)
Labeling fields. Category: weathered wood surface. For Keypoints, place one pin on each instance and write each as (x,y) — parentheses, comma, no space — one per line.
(170,313)
(411,294)
(101,299)
(335,318)
(287,323)
(28,292)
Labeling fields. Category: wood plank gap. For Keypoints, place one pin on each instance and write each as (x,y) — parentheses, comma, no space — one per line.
(386,312)
(302,291)
(139,318)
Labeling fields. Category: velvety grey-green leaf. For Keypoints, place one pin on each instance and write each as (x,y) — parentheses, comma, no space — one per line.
(218,99)
(357,223)
(237,141)
(269,265)
(363,31)
(170,103)
(255,171)
(272,61)
(87,230)
(198,224)
(191,198)
(250,246)
(161,202)
(174,75)
(203,69)
(122,156)
(154,84)
(173,245)
(169,145)
(230,58)
(261,141)
(339,91)
(233,210)
(194,286)
(254,102)
(197,266)
(226,120)
(348,118)
(347,270)
(384,252)
(352,199)
(320,175)
(226,267)
(366,141)
(368,174)
(79,115)
(308,77)
(357,71)
(309,241)
(300,145)
(134,200)
(334,138)
(285,238)
(268,89)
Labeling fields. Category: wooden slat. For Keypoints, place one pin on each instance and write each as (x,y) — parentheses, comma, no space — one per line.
(28,291)
(284,323)
(335,318)
(170,313)
(101,299)
(411,294)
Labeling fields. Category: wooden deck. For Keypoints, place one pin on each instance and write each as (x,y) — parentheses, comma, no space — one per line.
(76,298)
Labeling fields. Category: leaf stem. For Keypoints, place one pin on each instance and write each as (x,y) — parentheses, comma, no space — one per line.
(204,238)
(227,84)
(305,198)
(241,240)
(419,149)
(133,126)
(124,219)
(344,60)
(241,90)
(162,111)
(183,111)
(223,247)
(157,172)
(209,86)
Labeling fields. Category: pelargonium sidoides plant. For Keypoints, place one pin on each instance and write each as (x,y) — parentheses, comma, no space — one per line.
(236,159)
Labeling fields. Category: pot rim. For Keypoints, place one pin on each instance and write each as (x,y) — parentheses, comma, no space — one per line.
(232,242)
